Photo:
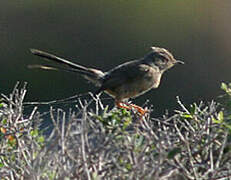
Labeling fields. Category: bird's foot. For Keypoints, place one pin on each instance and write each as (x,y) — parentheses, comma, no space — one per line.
(139,109)
(128,106)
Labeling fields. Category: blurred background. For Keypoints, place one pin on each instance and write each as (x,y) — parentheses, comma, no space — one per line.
(103,34)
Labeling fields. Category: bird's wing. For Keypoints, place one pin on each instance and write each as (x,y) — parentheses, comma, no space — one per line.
(125,73)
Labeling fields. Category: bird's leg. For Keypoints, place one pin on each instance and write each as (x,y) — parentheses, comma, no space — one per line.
(130,106)
(121,105)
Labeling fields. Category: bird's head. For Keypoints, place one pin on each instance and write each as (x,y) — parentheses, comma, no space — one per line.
(161,58)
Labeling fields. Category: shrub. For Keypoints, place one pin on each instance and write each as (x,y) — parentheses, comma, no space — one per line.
(194,143)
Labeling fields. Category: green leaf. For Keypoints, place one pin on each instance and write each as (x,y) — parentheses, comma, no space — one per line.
(34,133)
(220,116)
(193,108)
(188,116)
(228,126)
(128,166)
(41,139)
(4,121)
(216,121)
(173,153)
(1,165)
(224,86)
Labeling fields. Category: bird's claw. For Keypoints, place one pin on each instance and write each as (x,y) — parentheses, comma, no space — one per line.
(128,106)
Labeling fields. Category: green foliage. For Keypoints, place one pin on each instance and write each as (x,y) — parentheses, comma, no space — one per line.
(224,117)
(226,98)
(114,119)
(37,135)
(20,138)
(172,153)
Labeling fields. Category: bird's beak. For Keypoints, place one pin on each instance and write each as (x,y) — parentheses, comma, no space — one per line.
(178,61)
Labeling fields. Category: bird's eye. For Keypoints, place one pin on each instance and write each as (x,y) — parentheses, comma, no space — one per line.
(162,59)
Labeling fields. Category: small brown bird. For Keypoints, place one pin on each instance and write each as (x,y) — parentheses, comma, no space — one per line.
(130,79)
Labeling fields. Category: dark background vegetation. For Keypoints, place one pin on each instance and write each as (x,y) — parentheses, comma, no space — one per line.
(106,33)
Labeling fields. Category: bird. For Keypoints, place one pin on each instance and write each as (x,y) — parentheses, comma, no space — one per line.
(127,80)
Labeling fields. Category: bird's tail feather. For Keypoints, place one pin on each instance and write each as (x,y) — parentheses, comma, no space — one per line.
(57,59)
(54,68)
(93,75)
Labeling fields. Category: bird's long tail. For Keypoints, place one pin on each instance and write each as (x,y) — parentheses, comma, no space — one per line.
(91,74)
